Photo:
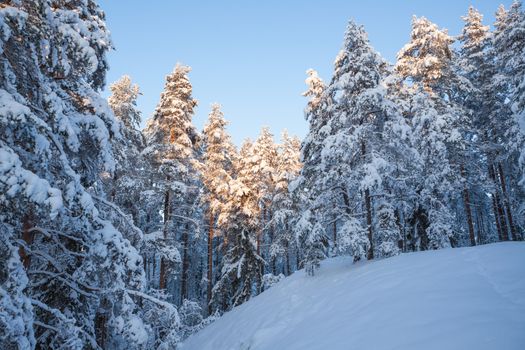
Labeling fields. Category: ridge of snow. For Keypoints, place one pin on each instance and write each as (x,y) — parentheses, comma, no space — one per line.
(463,298)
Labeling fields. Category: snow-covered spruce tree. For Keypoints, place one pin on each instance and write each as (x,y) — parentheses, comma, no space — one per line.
(265,153)
(395,169)
(124,187)
(171,145)
(283,207)
(498,124)
(241,266)
(305,190)
(216,172)
(68,277)
(476,62)
(316,118)
(127,207)
(123,102)
(433,220)
(352,153)
(425,59)
(509,48)
(441,129)
(357,158)
(518,89)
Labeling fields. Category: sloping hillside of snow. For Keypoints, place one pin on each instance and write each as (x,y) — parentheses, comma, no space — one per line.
(468,298)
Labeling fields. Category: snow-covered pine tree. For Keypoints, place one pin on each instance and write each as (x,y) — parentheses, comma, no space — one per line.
(216,172)
(171,145)
(128,208)
(305,190)
(395,170)
(316,118)
(425,59)
(518,89)
(241,267)
(509,46)
(124,187)
(498,123)
(441,129)
(265,153)
(351,154)
(69,278)
(475,39)
(283,207)
(316,88)
(476,62)
(123,102)
(434,132)
(367,138)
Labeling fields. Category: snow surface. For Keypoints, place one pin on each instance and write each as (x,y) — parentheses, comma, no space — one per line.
(466,298)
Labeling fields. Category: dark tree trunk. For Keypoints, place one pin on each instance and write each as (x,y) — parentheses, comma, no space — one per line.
(334,234)
(402,240)
(270,237)
(163,267)
(466,199)
(114,189)
(480,224)
(185,264)
(146,267)
(419,224)
(501,215)
(506,202)
(346,200)
(287,259)
(259,233)
(27,237)
(498,206)
(368,204)
(210,260)
(496,218)
(101,328)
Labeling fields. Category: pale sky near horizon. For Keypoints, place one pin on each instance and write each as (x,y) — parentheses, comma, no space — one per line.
(251,56)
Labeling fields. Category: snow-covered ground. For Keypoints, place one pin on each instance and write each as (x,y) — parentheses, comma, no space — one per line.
(468,298)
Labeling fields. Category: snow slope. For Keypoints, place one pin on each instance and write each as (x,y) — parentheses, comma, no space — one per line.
(468,298)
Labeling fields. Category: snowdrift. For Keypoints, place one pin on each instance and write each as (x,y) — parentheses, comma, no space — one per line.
(468,298)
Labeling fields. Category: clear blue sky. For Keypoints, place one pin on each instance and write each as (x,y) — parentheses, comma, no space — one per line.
(251,56)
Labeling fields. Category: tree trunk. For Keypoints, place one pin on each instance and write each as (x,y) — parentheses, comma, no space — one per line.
(496,218)
(114,189)
(368,205)
(210,260)
(27,237)
(466,199)
(270,237)
(259,234)
(481,226)
(506,201)
(503,223)
(287,259)
(101,328)
(497,205)
(163,267)
(146,269)
(185,264)
(334,234)
(346,201)
(401,223)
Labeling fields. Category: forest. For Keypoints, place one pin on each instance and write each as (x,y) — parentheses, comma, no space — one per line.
(113,237)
